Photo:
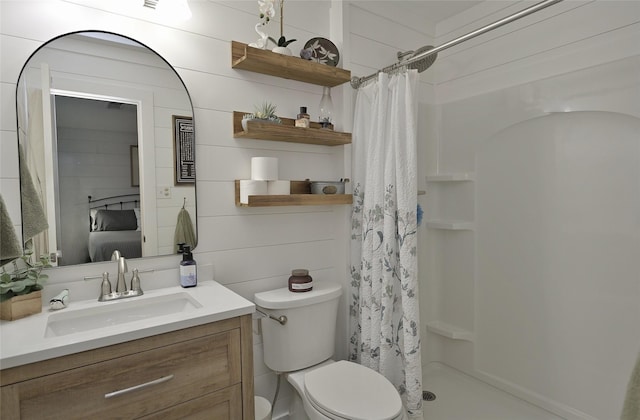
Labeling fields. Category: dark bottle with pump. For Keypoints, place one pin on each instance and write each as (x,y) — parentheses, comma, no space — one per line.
(188,269)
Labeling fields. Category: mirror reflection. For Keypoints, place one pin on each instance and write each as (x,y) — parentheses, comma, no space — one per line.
(106,144)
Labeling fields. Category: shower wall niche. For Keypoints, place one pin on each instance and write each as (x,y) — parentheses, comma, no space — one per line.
(449,216)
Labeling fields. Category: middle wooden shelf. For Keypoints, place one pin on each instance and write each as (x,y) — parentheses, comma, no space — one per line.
(288,132)
(300,196)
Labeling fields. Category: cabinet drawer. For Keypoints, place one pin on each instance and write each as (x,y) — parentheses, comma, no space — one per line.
(135,385)
(225,404)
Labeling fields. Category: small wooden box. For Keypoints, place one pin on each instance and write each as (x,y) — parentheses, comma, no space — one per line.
(21,306)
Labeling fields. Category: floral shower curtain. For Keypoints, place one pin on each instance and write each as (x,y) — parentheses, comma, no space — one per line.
(385,327)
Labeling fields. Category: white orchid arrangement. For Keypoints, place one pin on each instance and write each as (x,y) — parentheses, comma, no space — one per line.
(267,10)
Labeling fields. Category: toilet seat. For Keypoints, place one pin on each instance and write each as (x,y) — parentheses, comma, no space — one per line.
(346,390)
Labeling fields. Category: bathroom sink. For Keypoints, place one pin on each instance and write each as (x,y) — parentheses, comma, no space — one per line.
(118,312)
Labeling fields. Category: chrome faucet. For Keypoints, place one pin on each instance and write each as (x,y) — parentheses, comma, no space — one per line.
(121,286)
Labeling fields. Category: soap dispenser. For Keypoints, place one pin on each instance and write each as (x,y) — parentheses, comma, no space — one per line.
(188,269)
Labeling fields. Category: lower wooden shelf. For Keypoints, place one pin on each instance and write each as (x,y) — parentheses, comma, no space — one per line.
(300,196)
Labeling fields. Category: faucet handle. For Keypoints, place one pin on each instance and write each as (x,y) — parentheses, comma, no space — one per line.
(135,282)
(105,288)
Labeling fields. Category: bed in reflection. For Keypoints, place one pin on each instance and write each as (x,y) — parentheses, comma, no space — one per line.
(114,224)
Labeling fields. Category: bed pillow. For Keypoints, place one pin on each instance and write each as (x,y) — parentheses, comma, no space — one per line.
(92,219)
(116,220)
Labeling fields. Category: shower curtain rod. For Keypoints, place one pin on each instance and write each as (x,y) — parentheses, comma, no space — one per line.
(356,82)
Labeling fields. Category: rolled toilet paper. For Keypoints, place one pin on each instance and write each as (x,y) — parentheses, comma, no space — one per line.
(279,187)
(251,187)
(264,168)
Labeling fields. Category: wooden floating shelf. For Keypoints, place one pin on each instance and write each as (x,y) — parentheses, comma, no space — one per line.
(300,196)
(288,132)
(289,67)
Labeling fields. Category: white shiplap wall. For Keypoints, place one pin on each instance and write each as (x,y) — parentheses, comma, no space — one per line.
(250,249)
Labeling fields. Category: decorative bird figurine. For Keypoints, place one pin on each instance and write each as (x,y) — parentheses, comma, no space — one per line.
(306,53)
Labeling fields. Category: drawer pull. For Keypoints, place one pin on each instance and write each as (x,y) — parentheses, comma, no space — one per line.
(135,388)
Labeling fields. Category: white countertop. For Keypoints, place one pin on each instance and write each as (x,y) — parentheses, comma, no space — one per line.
(23,341)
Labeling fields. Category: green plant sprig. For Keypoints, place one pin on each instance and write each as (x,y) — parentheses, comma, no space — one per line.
(282,41)
(23,279)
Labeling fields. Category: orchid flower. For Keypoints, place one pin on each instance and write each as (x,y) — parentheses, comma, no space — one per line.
(267,9)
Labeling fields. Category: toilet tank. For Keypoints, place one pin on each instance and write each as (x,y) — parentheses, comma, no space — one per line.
(308,336)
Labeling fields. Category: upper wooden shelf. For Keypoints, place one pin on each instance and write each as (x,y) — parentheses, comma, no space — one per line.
(287,131)
(289,67)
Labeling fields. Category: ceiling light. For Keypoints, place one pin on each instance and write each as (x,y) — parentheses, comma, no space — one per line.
(150,3)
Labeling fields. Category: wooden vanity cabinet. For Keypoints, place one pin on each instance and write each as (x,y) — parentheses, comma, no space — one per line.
(203,372)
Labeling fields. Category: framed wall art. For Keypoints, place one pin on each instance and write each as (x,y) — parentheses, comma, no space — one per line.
(184,150)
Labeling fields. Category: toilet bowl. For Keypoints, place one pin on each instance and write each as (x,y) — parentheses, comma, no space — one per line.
(298,339)
(343,390)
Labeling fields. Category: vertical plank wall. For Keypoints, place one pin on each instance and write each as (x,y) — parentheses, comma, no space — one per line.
(250,249)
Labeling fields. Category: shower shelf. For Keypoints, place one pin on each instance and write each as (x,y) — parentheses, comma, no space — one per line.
(450,224)
(449,331)
(451,177)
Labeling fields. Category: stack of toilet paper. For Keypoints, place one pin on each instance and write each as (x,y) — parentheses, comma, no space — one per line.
(264,180)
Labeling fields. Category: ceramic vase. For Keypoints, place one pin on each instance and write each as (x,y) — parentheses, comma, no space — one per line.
(282,50)
(264,38)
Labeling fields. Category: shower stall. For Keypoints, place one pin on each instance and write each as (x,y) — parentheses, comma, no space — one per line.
(529,251)
(530,248)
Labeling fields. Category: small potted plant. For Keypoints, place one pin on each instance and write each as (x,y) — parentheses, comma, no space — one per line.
(266,112)
(282,45)
(20,289)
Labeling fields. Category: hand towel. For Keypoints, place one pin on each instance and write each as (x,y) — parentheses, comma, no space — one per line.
(631,408)
(10,248)
(34,219)
(184,232)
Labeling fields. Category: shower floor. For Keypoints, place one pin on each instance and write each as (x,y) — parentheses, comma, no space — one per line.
(462,397)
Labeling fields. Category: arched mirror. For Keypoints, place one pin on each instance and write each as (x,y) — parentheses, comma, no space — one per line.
(107,151)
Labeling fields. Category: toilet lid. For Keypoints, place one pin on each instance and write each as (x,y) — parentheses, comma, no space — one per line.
(351,391)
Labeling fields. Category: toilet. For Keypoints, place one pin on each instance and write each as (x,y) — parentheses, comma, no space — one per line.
(302,348)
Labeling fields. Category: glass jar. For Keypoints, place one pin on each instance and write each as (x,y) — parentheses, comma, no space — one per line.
(326,109)
(300,281)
